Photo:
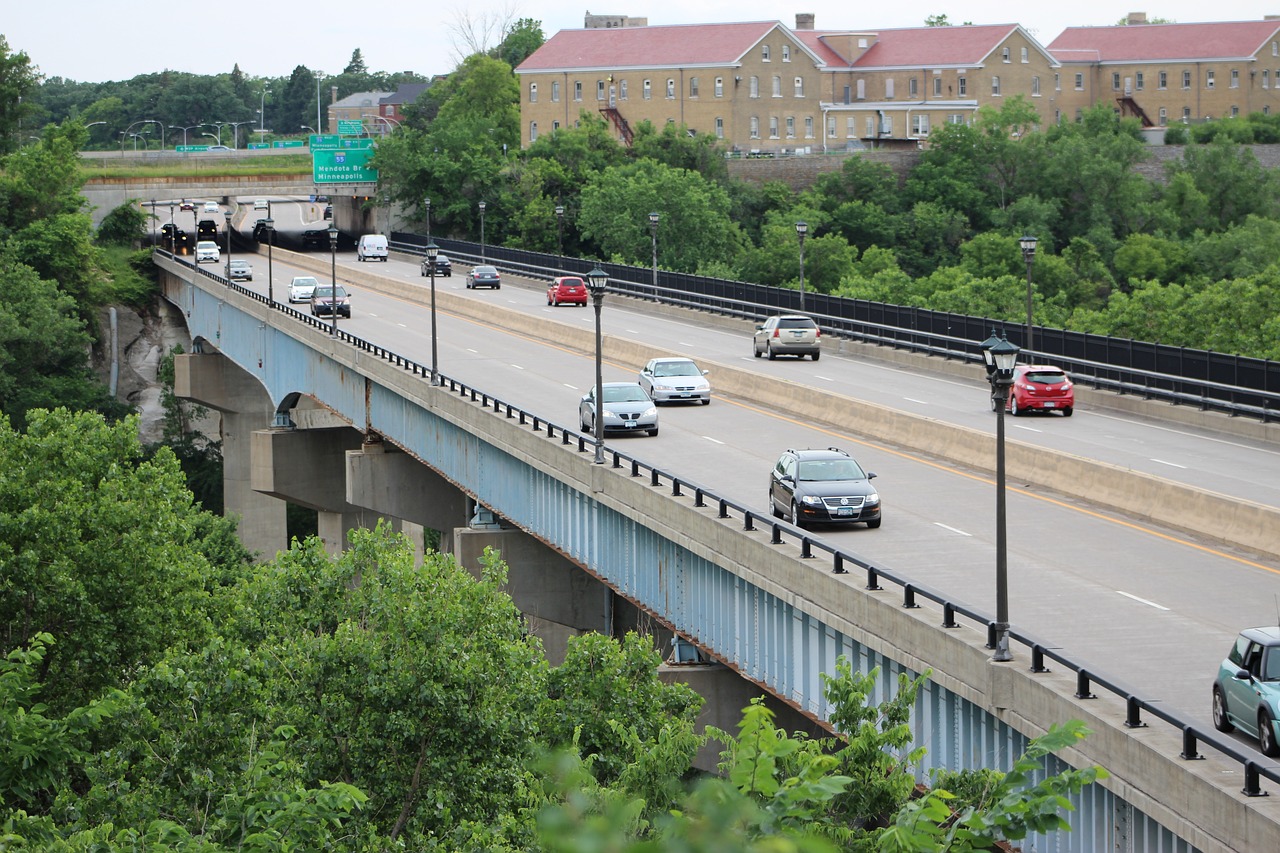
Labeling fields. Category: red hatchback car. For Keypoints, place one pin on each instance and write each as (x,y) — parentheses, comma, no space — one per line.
(567,290)
(1040,387)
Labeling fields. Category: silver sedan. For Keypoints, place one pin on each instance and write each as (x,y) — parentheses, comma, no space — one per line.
(627,408)
(670,380)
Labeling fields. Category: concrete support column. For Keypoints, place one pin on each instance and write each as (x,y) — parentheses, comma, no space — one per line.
(392,483)
(308,467)
(214,381)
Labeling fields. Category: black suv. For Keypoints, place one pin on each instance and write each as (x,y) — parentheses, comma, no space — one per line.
(444,266)
(315,238)
(826,486)
(207,229)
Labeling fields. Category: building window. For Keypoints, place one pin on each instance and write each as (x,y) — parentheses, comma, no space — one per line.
(937,86)
(831,127)
(719,128)
(808,127)
(862,89)
(871,127)
(1164,117)
(886,125)
(1235,112)
(533,131)
(646,89)
(1162,80)
(962,86)
(555,91)
(1235,78)
(995,87)
(693,87)
(1265,80)
(955,118)
(1186,114)
(1004,55)
(622,90)
(599,90)
(533,93)
(799,87)
(1025,57)
(786,53)
(913,88)
(719,87)
(1186,79)
(888,88)
(1057,82)
(671,88)
(850,127)
(777,87)
(1115,81)
(1275,49)
(577,90)
(1208,79)
(1079,81)
(791,127)
(555,125)
(1035,87)
(754,87)
(1139,81)
(764,53)
(773,127)
(754,127)
(920,124)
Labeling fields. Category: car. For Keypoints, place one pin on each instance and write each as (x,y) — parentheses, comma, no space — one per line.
(219,148)
(206,229)
(484,276)
(787,334)
(1039,388)
(261,204)
(240,271)
(627,408)
(567,290)
(167,231)
(822,486)
(328,211)
(323,301)
(315,238)
(207,250)
(211,207)
(1246,692)
(372,246)
(186,204)
(301,288)
(444,266)
(670,379)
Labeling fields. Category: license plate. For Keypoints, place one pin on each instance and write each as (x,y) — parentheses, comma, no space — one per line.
(1049,405)
(630,424)
(797,334)
(843,511)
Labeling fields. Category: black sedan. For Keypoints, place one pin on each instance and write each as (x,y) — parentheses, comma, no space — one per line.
(826,486)
(484,276)
(444,266)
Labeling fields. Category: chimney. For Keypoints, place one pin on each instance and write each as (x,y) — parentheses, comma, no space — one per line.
(1136,18)
(333,94)
(804,20)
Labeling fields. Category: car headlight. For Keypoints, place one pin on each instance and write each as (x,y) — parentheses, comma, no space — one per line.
(610,416)
(872,499)
(811,500)
(664,387)
(651,412)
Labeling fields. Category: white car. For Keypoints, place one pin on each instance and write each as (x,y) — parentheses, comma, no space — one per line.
(207,250)
(301,288)
(260,204)
(669,380)
(211,207)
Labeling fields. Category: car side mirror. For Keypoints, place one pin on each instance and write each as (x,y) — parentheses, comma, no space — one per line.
(706,373)
(760,328)
(871,475)
(647,372)
(787,478)
(1242,674)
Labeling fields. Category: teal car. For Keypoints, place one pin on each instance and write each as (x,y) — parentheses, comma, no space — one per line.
(1246,693)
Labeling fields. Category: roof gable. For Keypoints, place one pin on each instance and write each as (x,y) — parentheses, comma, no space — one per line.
(649,47)
(920,47)
(1146,42)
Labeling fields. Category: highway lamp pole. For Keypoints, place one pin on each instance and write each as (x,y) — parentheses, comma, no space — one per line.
(653,232)
(227,214)
(270,225)
(319,77)
(482,206)
(262,116)
(802,229)
(426,204)
(597,283)
(560,229)
(433,251)
(1028,245)
(153,219)
(1000,358)
(333,278)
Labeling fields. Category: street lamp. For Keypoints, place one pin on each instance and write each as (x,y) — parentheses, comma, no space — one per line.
(333,277)
(559,229)
(227,214)
(432,252)
(235,132)
(1000,356)
(426,203)
(597,283)
(262,115)
(482,230)
(319,77)
(270,225)
(184,129)
(308,127)
(802,229)
(1028,244)
(653,231)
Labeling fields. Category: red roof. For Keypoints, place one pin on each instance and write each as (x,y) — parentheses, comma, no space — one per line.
(1147,42)
(648,47)
(928,46)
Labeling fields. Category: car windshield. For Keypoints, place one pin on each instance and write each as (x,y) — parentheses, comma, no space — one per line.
(304,282)
(1046,377)
(625,394)
(676,368)
(325,291)
(820,470)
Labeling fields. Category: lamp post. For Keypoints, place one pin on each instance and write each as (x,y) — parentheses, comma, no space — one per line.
(432,252)
(308,127)
(653,232)
(262,115)
(1028,244)
(184,129)
(559,229)
(227,214)
(802,229)
(426,203)
(270,225)
(597,283)
(319,77)
(482,206)
(333,278)
(1000,357)
(235,132)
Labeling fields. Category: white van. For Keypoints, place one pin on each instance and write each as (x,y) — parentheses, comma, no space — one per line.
(372,246)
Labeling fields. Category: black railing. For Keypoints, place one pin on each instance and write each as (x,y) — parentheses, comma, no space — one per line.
(1235,385)
(782,534)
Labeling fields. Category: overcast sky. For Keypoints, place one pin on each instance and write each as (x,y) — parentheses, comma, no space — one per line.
(269,38)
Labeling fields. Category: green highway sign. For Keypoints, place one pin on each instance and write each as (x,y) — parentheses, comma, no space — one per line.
(350,127)
(331,143)
(287,143)
(187,149)
(343,166)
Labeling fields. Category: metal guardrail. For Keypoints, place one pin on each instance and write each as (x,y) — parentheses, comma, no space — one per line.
(810,548)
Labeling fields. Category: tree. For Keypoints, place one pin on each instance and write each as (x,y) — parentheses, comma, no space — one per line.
(18,78)
(520,41)
(356,65)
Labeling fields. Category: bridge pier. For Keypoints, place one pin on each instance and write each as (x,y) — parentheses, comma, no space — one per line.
(395,485)
(212,380)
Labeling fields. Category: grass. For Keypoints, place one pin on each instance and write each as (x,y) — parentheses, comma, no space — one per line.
(277,164)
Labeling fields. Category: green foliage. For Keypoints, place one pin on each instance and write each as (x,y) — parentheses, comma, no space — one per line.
(678,147)
(521,40)
(18,77)
(126,225)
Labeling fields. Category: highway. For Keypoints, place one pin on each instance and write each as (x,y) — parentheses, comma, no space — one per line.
(1152,607)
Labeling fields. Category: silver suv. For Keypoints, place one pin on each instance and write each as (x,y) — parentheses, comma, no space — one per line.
(788,334)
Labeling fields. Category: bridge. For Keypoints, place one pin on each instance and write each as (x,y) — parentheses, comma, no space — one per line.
(357,431)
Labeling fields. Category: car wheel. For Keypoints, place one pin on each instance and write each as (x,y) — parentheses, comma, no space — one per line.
(795,515)
(1066,413)
(707,401)
(874,523)
(1013,406)
(817,355)
(773,507)
(653,431)
(1221,721)
(1267,734)
(772,354)
(995,405)
(755,350)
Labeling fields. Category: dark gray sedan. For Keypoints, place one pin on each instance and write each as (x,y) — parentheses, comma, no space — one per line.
(484,276)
